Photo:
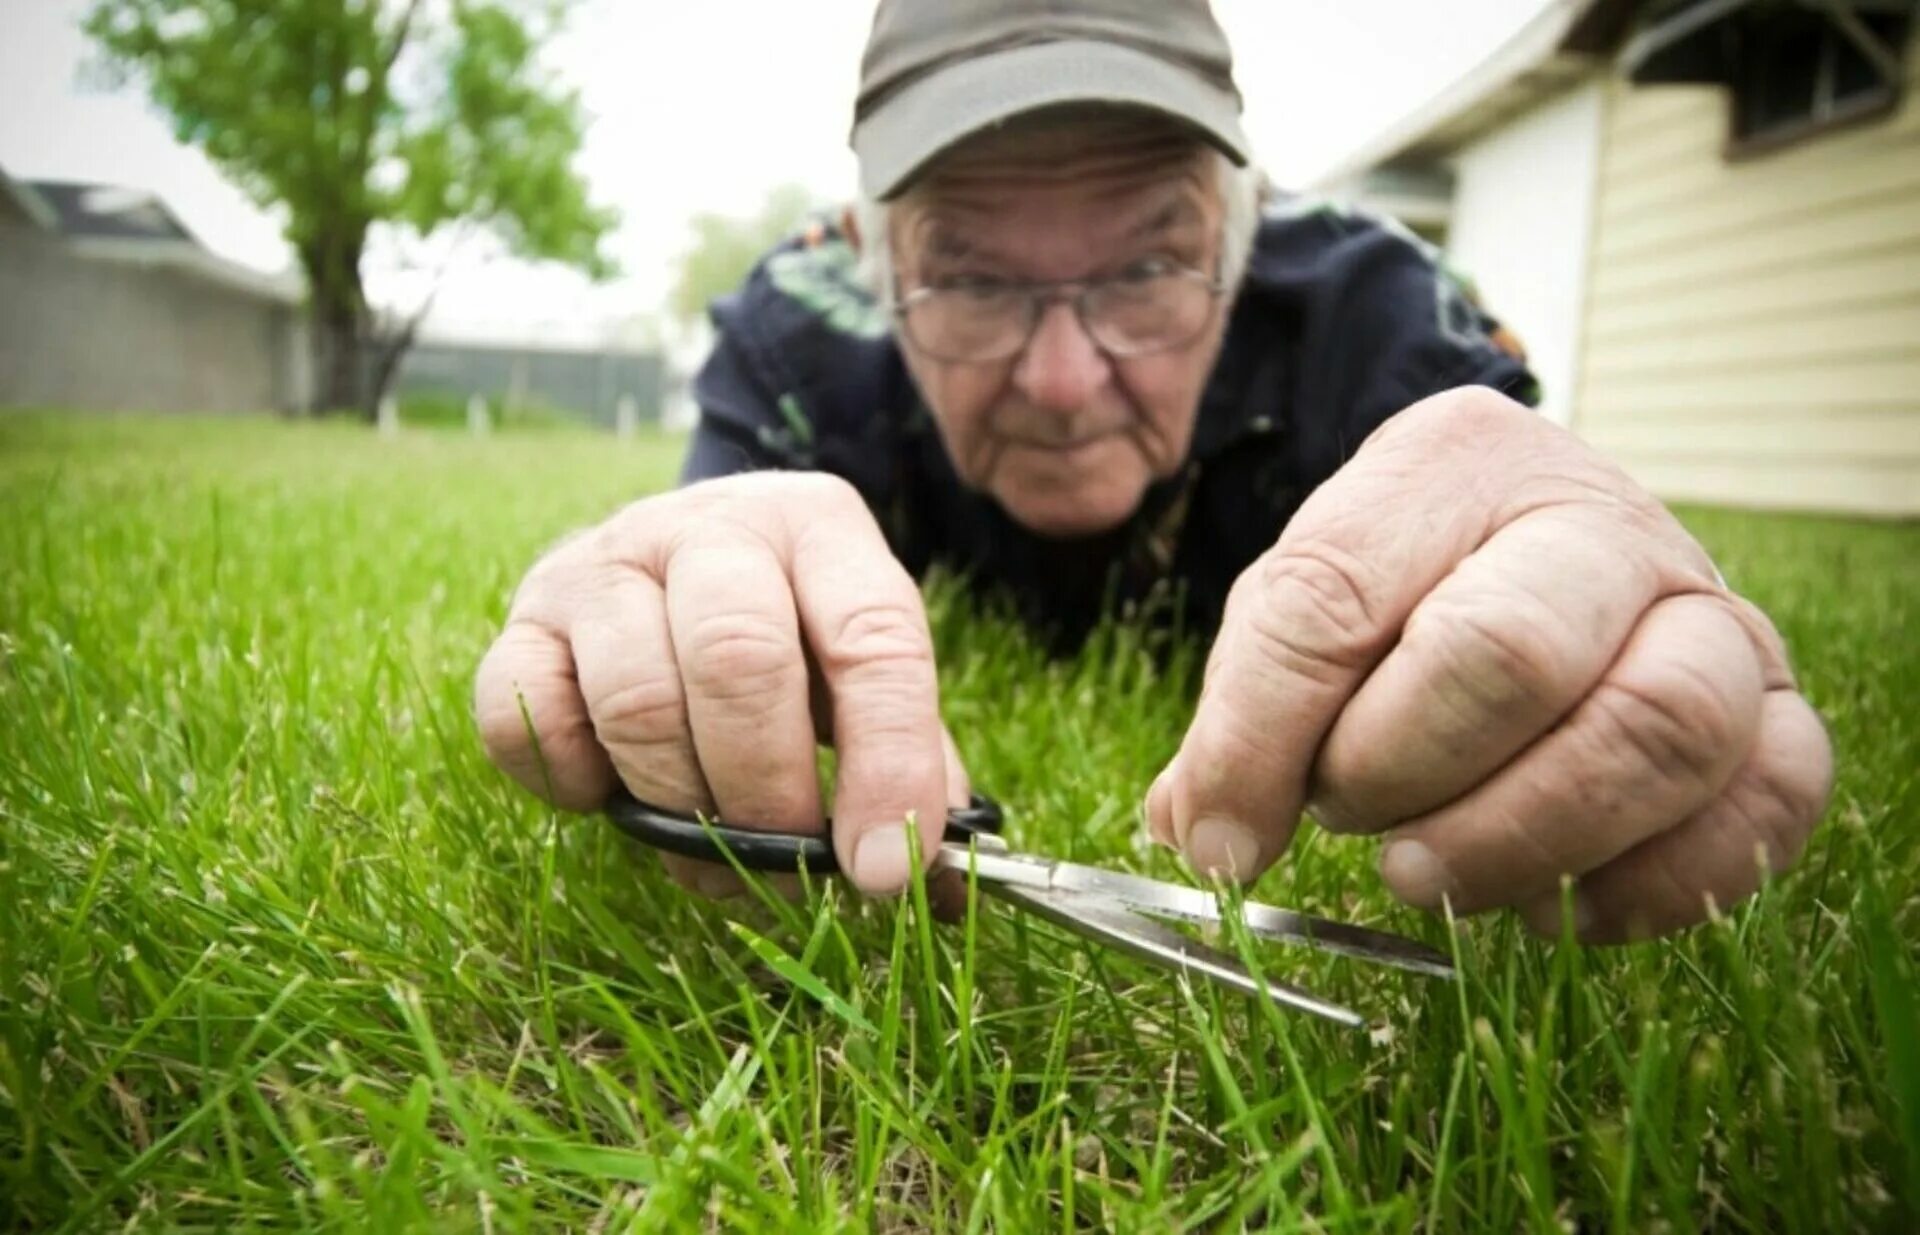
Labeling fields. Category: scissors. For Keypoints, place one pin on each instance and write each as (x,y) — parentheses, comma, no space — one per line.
(1120,910)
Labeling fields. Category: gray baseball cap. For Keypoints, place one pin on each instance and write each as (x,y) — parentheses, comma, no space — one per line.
(938,71)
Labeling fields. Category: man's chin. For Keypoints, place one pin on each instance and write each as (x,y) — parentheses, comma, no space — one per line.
(1071,514)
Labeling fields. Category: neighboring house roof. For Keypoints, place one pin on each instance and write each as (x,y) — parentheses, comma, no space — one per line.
(109,211)
(1558,48)
(24,202)
(112,223)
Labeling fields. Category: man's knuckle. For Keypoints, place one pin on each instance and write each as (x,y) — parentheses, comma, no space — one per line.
(1775,667)
(651,532)
(650,710)
(1478,417)
(506,676)
(890,727)
(503,730)
(740,656)
(702,494)
(1500,652)
(1465,416)
(879,634)
(1762,826)
(1312,609)
(1678,722)
(549,747)
(1721,850)
(556,582)
(1788,796)
(1671,878)
(824,490)
(636,524)
(1543,852)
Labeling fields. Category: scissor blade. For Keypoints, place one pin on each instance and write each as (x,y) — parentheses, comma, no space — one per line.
(1185,904)
(1148,940)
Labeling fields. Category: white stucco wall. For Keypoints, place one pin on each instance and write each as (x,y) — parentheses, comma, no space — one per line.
(1522,220)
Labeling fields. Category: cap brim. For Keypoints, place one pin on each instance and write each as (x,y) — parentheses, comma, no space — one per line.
(907,131)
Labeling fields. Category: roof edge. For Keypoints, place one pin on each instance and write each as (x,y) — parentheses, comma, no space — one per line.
(284,287)
(1563,27)
(29,202)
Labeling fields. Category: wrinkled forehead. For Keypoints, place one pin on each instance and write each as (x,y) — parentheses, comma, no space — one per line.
(1103,172)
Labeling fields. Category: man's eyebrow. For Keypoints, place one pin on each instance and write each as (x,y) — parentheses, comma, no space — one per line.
(1176,212)
(948,245)
(937,236)
(943,241)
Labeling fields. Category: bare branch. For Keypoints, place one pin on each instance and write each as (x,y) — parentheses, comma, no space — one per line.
(401,32)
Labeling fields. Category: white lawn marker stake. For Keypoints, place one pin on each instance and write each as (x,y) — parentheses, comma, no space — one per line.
(388,416)
(626,416)
(478,423)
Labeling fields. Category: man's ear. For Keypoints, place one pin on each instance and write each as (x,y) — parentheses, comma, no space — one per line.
(850,227)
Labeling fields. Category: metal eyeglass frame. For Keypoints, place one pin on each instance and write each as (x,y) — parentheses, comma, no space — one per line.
(1041,295)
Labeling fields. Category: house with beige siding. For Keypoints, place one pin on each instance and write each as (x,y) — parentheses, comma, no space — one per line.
(1702,218)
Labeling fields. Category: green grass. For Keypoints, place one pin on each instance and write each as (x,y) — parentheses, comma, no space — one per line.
(278,948)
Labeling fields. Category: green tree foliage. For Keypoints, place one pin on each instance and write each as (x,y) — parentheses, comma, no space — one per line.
(347,114)
(725,247)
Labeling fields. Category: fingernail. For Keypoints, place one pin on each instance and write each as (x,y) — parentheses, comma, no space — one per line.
(1415,874)
(880,860)
(1158,810)
(1219,847)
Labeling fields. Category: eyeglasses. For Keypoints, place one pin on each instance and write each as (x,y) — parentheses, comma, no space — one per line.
(1151,306)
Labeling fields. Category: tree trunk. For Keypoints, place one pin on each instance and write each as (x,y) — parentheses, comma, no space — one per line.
(340,361)
(339,322)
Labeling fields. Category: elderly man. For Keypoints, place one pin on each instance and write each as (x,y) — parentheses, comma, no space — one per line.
(1060,346)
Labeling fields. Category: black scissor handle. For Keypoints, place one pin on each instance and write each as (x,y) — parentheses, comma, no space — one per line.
(768,851)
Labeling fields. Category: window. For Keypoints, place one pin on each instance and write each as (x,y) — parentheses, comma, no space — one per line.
(1802,73)
(1792,68)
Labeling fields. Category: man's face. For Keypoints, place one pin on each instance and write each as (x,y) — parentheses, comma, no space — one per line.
(1065,436)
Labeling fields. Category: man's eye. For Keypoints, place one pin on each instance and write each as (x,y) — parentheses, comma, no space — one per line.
(1145,270)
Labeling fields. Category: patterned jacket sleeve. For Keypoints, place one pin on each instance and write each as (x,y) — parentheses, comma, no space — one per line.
(738,426)
(802,372)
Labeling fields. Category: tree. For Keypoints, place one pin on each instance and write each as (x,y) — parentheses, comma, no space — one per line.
(351,114)
(725,248)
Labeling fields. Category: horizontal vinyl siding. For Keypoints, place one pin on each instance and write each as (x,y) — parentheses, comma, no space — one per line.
(1752,330)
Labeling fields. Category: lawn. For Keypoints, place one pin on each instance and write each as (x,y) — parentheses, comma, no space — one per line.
(278,948)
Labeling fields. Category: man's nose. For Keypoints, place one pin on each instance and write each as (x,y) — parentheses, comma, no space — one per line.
(1062,367)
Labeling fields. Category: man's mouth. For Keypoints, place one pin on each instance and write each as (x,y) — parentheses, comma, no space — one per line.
(1060,444)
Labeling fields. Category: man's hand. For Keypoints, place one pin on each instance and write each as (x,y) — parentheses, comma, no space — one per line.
(699,644)
(1483,640)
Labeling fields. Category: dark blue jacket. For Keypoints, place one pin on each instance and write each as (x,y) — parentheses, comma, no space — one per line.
(1341,322)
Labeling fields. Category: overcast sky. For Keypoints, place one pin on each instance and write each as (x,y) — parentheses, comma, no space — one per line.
(704,106)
